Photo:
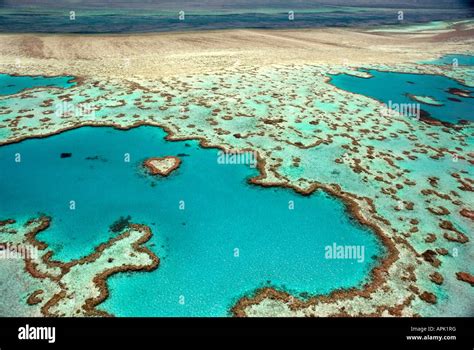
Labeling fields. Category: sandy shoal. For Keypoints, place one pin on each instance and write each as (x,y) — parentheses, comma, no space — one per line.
(165,54)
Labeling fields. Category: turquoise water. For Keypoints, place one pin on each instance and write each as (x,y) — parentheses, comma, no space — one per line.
(277,246)
(394,87)
(463,60)
(10,84)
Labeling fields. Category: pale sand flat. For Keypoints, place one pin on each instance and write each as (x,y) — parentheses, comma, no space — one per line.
(165,54)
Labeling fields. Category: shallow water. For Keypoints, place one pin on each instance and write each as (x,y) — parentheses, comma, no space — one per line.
(197,246)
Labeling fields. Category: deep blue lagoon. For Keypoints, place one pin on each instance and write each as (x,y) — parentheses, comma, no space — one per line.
(276,246)
(396,88)
(11,84)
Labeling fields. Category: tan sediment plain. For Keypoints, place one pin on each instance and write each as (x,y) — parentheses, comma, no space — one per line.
(184,53)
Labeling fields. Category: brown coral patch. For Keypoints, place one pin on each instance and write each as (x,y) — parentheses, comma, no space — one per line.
(467,213)
(437,278)
(465,277)
(428,297)
(34,298)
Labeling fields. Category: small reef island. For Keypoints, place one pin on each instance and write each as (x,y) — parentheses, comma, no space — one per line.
(363,140)
(162,166)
